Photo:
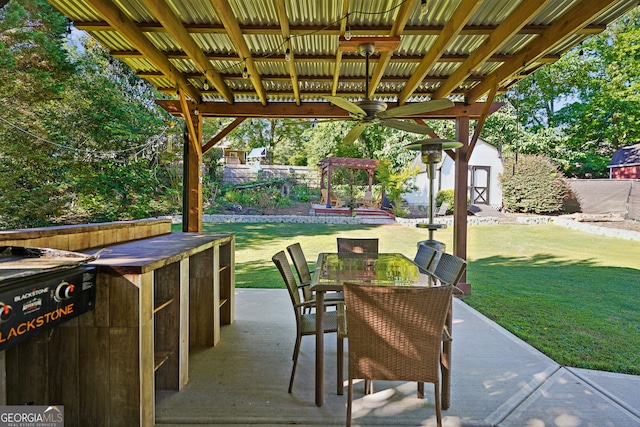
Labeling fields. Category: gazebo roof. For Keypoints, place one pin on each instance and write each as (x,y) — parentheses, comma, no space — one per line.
(349,163)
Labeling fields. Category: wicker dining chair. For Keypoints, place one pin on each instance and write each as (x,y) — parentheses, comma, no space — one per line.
(425,258)
(304,274)
(302,268)
(395,333)
(306,323)
(449,269)
(447,272)
(346,245)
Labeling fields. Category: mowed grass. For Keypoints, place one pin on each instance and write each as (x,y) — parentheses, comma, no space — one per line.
(573,295)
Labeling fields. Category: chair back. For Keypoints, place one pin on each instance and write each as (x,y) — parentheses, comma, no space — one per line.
(302,268)
(359,246)
(395,333)
(425,258)
(449,269)
(299,262)
(281,261)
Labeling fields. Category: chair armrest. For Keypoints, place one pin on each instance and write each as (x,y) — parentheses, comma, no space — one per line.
(305,304)
(303,284)
(342,321)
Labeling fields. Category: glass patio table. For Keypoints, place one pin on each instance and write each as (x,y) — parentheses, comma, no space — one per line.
(382,269)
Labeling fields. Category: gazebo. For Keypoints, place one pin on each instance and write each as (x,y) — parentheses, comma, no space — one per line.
(329,164)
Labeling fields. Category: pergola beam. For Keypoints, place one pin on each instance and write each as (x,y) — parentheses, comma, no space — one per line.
(480,124)
(259,30)
(338,60)
(224,132)
(450,31)
(570,23)
(191,126)
(174,26)
(302,57)
(398,26)
(121,22)
(230,23)
(284,24)
(313,110)
(510,26)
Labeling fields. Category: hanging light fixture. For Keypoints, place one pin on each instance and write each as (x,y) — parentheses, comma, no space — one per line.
(347,30)
(424,8)
(287,55)
(205,86)
(245,73)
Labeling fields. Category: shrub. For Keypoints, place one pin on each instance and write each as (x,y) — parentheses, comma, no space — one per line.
(533,184)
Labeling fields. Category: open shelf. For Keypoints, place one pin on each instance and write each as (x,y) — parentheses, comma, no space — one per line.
(159,357)
(159,304)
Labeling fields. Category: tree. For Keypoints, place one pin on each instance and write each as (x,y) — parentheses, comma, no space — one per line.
(82,139)
(34,69)
(583,107)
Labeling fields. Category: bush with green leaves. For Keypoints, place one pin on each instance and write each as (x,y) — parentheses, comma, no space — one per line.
(532,184)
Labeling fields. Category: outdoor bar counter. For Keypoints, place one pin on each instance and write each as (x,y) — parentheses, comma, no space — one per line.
(155,298)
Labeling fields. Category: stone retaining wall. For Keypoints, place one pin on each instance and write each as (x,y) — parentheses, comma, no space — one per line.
(330,219)
(594,229)
(411,222)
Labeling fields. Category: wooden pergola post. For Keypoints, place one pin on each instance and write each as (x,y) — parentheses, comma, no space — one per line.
(460,197)
(192,178)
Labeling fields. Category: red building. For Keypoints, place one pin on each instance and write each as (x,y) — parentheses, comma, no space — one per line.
(625,163)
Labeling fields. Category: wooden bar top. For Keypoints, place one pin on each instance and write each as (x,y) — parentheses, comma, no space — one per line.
(146,255)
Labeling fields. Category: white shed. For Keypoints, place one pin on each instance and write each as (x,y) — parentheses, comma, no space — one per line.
(485,166)
(257,155)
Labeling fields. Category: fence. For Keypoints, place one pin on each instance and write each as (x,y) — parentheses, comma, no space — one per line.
(239,174)
(604,196)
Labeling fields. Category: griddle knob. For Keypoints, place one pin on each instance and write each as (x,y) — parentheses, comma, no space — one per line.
(64,291)
(5,311)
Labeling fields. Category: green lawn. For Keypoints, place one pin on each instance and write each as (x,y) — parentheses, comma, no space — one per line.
(572,295)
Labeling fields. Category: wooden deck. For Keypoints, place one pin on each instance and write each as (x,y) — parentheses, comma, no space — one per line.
(319,210)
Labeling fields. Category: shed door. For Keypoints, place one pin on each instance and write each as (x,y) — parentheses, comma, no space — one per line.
(479,186)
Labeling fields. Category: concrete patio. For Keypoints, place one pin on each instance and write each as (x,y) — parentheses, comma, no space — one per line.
(498,380)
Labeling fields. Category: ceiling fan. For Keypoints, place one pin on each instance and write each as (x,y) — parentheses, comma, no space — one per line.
(368,112)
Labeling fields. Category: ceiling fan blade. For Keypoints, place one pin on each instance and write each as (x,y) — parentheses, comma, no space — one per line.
(354,133)
(347,105)
(417,108)
(407,126)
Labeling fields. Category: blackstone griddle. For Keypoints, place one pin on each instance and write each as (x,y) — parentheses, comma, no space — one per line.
(41,288)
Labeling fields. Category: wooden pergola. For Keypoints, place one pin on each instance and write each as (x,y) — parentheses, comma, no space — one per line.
(329,164)
(280,58)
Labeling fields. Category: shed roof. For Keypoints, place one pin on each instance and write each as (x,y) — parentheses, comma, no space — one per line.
(626,156)
(295,52)
(257,153)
